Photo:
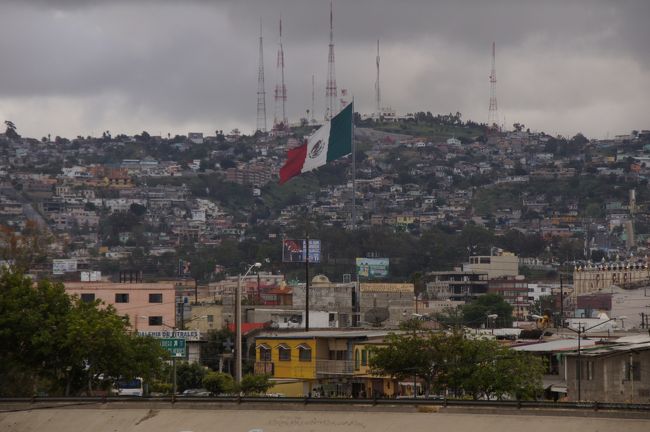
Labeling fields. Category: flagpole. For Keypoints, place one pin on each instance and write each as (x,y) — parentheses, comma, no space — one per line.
(354,175)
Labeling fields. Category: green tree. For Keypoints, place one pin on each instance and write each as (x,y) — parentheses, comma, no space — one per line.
(255,384)
(189,375)
(475,313)
(543,305)
(478,368)
(219,382)
(61,345)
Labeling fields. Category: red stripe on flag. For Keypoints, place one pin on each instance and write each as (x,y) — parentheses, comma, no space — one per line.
(293,165)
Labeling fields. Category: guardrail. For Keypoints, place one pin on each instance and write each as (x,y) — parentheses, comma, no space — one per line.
(181,400)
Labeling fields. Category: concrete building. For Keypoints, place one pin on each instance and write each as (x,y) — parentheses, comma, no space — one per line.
(614,373)
(398,298)
(514,290)
(149,306)
(339,298)
(456,285)
(602,277)
(498,265)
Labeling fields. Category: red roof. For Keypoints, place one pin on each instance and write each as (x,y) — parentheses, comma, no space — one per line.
(247,327)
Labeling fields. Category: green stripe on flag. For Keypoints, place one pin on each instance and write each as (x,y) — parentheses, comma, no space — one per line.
(340,140)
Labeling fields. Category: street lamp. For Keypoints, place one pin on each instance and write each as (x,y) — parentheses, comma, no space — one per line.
(580,332)
(238,336)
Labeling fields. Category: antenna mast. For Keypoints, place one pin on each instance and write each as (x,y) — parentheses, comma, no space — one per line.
(377,90)
(313,99)
(330,89)
(280,88)
(493,115)
(261,93)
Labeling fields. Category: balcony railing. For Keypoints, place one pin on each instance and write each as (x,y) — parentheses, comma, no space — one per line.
(334,367)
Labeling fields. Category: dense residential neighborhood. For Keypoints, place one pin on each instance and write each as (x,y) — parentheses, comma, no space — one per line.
(515,237)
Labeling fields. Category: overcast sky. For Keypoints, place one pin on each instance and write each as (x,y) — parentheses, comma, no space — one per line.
(73,68)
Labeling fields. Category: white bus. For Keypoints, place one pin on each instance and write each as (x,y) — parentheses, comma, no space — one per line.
(132,387)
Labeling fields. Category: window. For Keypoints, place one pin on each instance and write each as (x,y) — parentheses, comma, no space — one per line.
(121,298)
(364,358)
(265,353)
(155,298)
(88,297)
(632,371)
(210,318)
(284,353)
(356,359)
(155,320)
(304,353)
(587,370)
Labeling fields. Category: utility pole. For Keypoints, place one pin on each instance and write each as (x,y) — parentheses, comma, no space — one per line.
(561,302)
(306,281)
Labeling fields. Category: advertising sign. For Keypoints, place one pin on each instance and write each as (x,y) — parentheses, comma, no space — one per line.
(372,268)
(190,335)
(61,266)
(91,276)
(294,250)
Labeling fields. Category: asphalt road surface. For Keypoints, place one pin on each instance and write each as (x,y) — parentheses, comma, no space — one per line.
(204,420)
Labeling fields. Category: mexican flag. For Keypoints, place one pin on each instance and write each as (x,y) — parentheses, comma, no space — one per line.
(331,141)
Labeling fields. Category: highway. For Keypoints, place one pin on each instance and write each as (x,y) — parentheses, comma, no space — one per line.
(198,417)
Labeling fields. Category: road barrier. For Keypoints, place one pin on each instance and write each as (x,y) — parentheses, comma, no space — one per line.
(243,400)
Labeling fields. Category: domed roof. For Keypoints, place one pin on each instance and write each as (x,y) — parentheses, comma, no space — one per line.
(320,279)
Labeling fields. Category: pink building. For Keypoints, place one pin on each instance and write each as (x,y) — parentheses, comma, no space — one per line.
(149,306)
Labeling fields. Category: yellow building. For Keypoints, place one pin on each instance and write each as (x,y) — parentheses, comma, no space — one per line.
(320,363)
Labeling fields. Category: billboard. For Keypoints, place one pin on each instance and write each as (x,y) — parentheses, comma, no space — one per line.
(91,276)
(294,250)
(184,268)
(372,268)
(61,266)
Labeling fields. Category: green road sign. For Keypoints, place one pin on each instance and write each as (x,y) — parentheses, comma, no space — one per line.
(176,347)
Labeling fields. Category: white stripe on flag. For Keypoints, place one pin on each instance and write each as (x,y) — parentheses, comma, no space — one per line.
(317,145)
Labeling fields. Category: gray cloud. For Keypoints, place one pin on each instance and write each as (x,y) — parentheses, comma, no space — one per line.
(77,67)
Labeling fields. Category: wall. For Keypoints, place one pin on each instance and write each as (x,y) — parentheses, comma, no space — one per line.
(293,368)
(138,307)
(609,383)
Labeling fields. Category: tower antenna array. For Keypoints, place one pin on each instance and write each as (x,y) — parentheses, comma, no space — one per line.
(261,93)
(330,89)
(493,115)
(280,88)
(377,90)
(313,99)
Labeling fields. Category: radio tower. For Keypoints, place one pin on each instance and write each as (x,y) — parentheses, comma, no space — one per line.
(330,89)
(313,99)
(493,115)
(377,91)
(261,93)
(280,88)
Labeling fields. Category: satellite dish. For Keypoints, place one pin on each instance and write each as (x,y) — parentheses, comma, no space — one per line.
(376,316)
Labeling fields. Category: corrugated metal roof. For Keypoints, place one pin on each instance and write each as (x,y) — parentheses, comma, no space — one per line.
(556,345)
(340,334)
(613,349)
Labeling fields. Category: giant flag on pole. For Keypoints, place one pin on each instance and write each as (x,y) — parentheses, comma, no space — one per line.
(331,141)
